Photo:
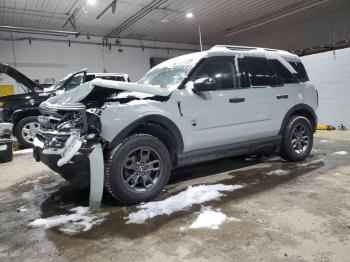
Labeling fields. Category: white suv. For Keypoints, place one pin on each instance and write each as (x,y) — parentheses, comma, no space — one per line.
(227,101)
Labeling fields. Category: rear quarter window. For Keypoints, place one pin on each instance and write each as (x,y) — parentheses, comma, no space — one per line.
(286,76)
(301,72)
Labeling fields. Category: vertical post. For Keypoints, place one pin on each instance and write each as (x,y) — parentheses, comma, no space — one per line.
(96,176)
(200,37)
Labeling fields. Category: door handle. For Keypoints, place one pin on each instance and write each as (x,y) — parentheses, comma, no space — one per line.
(236,100)
(282,96)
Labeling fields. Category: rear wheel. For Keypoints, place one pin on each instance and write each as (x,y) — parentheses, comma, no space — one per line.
(297,139)
(138,169)
(26,130)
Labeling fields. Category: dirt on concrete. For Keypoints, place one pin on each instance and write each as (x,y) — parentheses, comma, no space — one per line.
(300,216)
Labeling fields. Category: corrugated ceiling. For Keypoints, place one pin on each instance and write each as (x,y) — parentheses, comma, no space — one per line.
(217,18)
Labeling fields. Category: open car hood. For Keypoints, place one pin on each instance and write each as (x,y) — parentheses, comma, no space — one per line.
(19,77)
(101,89)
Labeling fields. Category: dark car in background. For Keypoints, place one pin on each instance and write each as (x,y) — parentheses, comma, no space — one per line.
(22,110)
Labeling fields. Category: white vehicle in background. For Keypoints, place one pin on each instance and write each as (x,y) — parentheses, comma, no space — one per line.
(226,101)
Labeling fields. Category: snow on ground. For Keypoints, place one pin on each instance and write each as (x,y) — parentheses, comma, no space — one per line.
(80,220)
(340,153)
(22,209)
(211,219)
(192,195)
(313,162)
(24,151)
(324,141)
(274,158)
(278,172)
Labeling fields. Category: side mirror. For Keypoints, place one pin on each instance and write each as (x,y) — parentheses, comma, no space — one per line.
(204,84)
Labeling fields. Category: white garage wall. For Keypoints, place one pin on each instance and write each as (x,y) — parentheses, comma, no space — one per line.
(330,73)
(41,60)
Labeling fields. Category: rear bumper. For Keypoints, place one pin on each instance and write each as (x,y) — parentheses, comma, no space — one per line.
(77,171)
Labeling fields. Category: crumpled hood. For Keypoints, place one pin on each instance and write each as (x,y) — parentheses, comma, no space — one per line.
(79,93)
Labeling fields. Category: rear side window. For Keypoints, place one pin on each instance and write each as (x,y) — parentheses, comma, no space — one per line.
(301,72)
(260,72)
(283,73)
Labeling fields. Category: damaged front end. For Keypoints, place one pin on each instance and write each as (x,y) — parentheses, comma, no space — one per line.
(70,125)
(66,137)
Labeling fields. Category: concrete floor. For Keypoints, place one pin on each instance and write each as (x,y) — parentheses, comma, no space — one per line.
(303,216)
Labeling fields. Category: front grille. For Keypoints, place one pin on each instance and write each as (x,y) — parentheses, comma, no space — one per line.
(48,132)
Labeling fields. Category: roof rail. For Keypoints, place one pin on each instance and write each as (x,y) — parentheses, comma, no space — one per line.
(243,48)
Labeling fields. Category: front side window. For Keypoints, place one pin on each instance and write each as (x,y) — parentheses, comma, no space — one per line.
(260,72)
(222,70)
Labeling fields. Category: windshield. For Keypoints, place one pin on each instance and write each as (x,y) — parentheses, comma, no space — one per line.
(170,73)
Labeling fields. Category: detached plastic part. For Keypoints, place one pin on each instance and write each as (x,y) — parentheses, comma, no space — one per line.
(96,177)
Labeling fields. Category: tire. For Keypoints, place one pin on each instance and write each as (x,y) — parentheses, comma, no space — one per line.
(128,173)
(296,146)
(26,126)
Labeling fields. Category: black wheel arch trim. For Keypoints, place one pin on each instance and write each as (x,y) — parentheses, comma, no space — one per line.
(151,119)
(296,108)
(16,116)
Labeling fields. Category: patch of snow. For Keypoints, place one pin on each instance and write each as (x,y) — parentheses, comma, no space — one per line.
(24,151)
(81,220)
(192,195)
(210,219)
(324,141)
(278,172)
(313,162)
(274,158)
(22,209)
(133,94)
(340,153)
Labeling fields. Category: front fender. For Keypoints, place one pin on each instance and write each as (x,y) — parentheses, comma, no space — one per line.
(119,120)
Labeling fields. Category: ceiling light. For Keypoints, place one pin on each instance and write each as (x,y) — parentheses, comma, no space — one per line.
(164,18)
(189,15)
(91,2)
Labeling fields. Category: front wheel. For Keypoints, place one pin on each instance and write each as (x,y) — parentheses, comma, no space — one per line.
(297,139)
(138,169)
(26,130)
